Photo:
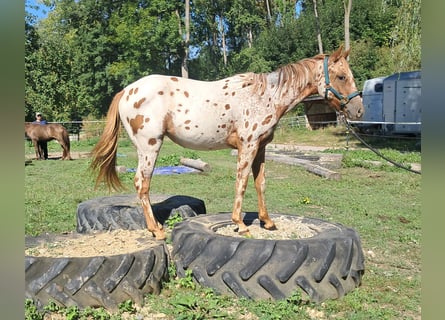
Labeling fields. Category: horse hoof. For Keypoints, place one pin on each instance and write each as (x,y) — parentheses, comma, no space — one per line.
(245,233)
(273,227)
(159,235)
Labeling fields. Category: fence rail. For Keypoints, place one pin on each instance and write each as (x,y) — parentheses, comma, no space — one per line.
(79,130)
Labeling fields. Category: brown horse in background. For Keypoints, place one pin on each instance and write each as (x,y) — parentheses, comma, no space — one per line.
(39,133)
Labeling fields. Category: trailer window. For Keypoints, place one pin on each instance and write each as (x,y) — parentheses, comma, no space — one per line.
(378,87)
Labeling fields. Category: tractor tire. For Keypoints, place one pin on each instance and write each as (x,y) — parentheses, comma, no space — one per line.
(125,211)
(325,266)
(98,281)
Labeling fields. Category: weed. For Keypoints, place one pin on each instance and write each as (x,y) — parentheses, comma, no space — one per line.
(174,219)
(31,312)
(187,281)
(127,306)
(305,200)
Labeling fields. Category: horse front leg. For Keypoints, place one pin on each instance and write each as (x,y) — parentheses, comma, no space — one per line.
(258,171)
(244,164)
(37,149)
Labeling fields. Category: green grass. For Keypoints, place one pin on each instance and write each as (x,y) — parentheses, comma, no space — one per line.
(381,203)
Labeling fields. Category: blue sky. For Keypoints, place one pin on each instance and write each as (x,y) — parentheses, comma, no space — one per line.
(41,12)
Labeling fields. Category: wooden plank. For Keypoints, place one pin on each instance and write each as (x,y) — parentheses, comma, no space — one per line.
(308,165)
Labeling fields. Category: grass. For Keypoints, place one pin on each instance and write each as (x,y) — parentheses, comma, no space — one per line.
(381,203)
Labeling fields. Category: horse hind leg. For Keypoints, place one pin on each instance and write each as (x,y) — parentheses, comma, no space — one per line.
(258,171)
(142,181)
(66,152)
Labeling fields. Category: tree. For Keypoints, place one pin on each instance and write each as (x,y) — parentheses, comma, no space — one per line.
(347,4)
(405,44)
(317,21)
(184,66)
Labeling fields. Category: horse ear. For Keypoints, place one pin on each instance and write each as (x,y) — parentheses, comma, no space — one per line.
(337,54)
(346,53)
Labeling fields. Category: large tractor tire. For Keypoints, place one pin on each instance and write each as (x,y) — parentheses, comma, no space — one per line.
(98,281)
(125,211)
(325,266)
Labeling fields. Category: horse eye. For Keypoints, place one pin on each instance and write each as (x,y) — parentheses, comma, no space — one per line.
(341,78)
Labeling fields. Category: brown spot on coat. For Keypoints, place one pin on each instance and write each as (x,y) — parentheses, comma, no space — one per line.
(187,121)
(152,141)
(136,90)
(255,126)
(227,106)
(246,124)
(249,138)
(186,94)
(233,93)
(267,120)
(130,92)
(138,104)
(161,92)
(174,79)
(147,119)
(137,123)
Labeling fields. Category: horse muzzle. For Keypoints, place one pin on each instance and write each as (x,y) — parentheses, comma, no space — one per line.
(353,109)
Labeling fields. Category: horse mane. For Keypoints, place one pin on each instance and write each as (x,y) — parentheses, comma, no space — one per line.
(293,75)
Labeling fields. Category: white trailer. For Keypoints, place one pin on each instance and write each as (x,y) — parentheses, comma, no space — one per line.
(392,104)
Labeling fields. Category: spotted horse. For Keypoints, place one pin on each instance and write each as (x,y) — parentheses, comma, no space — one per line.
(239,112)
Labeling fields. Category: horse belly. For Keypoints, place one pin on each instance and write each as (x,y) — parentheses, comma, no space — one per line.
(203,136)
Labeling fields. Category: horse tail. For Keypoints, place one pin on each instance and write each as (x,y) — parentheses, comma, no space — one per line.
(104,153)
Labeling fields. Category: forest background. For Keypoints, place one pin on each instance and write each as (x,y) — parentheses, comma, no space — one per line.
(84,51)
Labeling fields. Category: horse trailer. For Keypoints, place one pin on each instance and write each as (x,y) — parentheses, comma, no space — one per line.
(392,104)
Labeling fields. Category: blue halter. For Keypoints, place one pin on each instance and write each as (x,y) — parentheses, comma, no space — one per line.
(343,100)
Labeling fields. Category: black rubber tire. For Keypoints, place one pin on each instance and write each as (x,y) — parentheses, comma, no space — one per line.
(125,212)
(325,266)
(99,281)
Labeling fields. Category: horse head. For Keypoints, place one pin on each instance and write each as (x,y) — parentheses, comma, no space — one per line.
(338,87)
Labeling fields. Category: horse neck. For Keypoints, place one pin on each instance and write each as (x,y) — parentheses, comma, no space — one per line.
(292,83)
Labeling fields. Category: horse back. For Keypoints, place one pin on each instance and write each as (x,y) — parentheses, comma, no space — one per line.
(46,132)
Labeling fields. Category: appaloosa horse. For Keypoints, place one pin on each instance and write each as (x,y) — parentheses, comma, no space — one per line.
(239,112)
(46,132)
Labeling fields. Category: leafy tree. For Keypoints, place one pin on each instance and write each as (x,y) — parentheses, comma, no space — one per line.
(406,36)
(85,51)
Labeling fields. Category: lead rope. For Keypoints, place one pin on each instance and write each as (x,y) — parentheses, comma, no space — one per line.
(373,149)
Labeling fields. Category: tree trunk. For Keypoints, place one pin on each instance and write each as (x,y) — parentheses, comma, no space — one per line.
(320,43)
(223,39)
(269,16)
(186,42)
(348,6)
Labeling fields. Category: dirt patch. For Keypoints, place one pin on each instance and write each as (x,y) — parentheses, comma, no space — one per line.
(286,229)
(58,155)
(89,245)
(115,242)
